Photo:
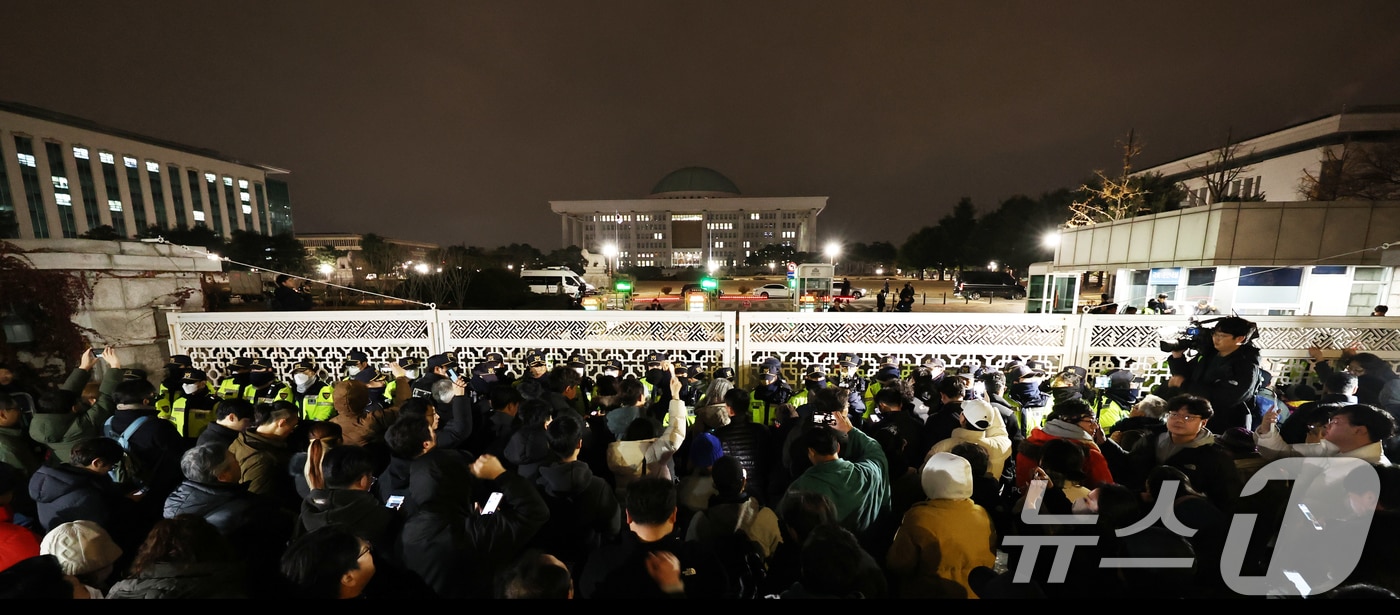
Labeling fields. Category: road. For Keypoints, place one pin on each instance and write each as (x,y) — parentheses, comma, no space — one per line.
(930,296)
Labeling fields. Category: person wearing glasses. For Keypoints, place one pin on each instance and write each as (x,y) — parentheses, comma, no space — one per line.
(1226,373)
(1189,446)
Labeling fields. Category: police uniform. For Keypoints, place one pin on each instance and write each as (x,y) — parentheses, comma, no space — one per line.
(886,376)
(170,388)
(613,365)
(192,412)
(267,388)
(315,402)
(357,366)
(423,386)
(847,375)
(815,379)
(582,400)
(765,398)
(654,393)
(410,367)
(236,384)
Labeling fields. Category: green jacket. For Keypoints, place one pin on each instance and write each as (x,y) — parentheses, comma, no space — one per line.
(60,432)
(858,482)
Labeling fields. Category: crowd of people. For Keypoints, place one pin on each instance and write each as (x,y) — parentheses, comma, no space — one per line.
(861,478)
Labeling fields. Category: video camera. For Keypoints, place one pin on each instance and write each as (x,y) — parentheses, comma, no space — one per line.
(1196,336)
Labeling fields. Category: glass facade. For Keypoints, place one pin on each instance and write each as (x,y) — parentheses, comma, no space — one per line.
(157,194)
(177,197)
(279,206)
(92,208)
(29,175)
(214,205)
(233,204)
(262,209)
(138,198)
(9,223)
(196,196)
(61,195)
(114,193)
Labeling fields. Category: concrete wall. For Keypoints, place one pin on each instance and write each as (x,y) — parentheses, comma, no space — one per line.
(133,285)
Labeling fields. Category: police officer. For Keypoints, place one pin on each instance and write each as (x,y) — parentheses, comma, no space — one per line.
(411,367)
(170,386)
(311,393)
(498,364)
(235,384)
(885,363)
(814,379)
(193,410)
(436,368)
(267,388)
(536,368)
(612,368)
(847,375)
(357,366)
(770,392)
(656,379)
(583,401)
(721,373)
(691,387)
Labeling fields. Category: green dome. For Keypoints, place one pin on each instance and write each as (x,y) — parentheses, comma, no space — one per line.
(695,181)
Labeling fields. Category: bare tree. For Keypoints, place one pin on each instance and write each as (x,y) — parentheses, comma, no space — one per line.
(1221,171)
(1362,171)
(1111,198)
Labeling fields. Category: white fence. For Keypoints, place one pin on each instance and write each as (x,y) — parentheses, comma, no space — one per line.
(739,339)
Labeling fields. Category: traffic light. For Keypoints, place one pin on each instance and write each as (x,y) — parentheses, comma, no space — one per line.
(709,284)
(622,286)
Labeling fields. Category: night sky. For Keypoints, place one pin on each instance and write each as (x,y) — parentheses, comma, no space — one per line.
(456,122)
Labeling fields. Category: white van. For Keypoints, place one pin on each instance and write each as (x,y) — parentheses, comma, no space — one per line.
(555,281)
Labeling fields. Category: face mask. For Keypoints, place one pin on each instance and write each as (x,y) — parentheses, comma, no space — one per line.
(302,379)
(657,377)
(579,370)
(813,385)
(190,388)
(353,370)
(610,372)
(411,374)
(260,378)
(1063,395)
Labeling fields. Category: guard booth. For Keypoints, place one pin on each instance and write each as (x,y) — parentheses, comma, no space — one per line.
(813,286)
(1048,292)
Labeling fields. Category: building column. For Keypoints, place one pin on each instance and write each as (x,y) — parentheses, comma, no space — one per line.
(99,185)
(165,191)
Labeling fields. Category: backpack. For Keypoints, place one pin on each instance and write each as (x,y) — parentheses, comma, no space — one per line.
(128,470)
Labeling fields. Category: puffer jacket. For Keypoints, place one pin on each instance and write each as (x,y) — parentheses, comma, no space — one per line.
(583,511)
(65,493)
(630,460)
(1028,456)
(751,445)
(60,432)
(183,580)
(1228,382)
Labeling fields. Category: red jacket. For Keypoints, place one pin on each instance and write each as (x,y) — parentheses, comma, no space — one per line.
(1028,459)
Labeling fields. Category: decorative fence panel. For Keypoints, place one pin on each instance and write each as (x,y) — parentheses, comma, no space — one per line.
(214,339)
(710,340)
(696,338)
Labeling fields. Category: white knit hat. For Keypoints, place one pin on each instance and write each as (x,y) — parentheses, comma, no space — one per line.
(946,476)
(81,547)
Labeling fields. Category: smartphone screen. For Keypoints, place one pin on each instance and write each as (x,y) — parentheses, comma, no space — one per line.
(492,503)
(97,352)
(394,502)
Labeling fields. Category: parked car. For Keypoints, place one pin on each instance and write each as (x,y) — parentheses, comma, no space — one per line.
(773,291)
(977,284)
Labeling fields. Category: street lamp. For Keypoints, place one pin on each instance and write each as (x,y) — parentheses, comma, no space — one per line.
(326,269)
(421,267)
(609,253)
(1050,239)
(833,249)
(992,266)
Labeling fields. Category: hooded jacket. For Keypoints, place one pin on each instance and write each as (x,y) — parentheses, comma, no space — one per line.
(727,514)
(583,512)
(66,493)
(360,425)
(60,432)
(453,548)
(264,462)
(1227,381)
(943,538)
(183,580)
(360,511)
(1028,457)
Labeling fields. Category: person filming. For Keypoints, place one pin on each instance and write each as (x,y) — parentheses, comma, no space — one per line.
(291,295)
(1225,371)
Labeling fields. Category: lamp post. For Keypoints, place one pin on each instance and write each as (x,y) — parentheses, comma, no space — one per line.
(832,249)
(609,253)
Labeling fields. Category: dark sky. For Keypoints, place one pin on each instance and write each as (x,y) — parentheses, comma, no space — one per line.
(457,122)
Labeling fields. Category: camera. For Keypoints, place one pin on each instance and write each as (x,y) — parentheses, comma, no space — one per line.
(1195,336)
